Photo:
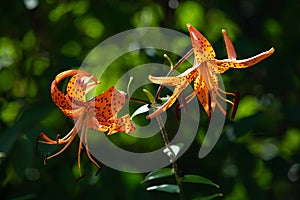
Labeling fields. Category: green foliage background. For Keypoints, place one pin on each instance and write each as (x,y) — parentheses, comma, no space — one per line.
(257,157)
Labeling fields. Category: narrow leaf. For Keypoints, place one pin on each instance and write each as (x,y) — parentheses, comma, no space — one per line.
(210,197)
(140,110)
(165,188)
(161,173)
(165,99)
(197,179)
(129,83)
(149,95)
(173,150)
(170,61)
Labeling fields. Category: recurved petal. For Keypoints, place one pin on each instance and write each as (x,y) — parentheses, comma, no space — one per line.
(107,104)
(202,93)
(203,50)
(75,91)
(223,65)
(171,81)
(79,85)
(229,46)
(125,125)
(188,75)
(61,101)
(58,97)
(178,89)
(114,125)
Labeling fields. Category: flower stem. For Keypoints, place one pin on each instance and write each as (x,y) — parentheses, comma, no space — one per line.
(172,155)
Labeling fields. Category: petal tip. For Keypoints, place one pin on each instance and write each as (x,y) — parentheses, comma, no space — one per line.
(191,29)
(152,78)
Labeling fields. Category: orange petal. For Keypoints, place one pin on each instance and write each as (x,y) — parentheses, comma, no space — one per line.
(229,46)
(203,50)
(105,108)
(114,125)
(107,104)
(187,75)
(171,81)
(74,91)
(125,125)
(101,113)
(178,89)
(202,93)
(76,88)
(181,82)
(60,100)
(223,65)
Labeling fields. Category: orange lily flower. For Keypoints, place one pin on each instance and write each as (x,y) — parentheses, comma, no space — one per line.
(98,113)
(204,74)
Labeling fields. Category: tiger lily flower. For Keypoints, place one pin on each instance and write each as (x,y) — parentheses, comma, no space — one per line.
(204,74)
(98,113)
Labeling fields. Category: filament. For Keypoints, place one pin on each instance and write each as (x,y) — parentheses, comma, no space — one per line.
(87,149)
(65,147)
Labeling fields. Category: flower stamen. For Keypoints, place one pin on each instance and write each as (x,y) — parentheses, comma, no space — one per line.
(57,140)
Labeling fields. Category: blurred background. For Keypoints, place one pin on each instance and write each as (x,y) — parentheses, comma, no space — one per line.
(257,156)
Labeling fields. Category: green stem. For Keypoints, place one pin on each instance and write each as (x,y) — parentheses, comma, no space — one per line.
(172,155)
(164,132)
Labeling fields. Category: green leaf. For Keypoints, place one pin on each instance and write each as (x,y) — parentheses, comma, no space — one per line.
(170,61)
(165,188)
(197,179)
(129,83)
(165,99)
(161,173)
(209,197)
(140,110)
(173,150)
(149,95)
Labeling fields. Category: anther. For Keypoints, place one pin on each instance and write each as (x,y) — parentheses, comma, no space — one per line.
(176,110)
(37,142)
(80,177)
(209,102)
(57,140)
(235,103)
(45,160)
(98,171)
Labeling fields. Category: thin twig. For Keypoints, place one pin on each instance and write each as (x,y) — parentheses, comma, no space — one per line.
(172,155)
(139,100)
(164,132)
